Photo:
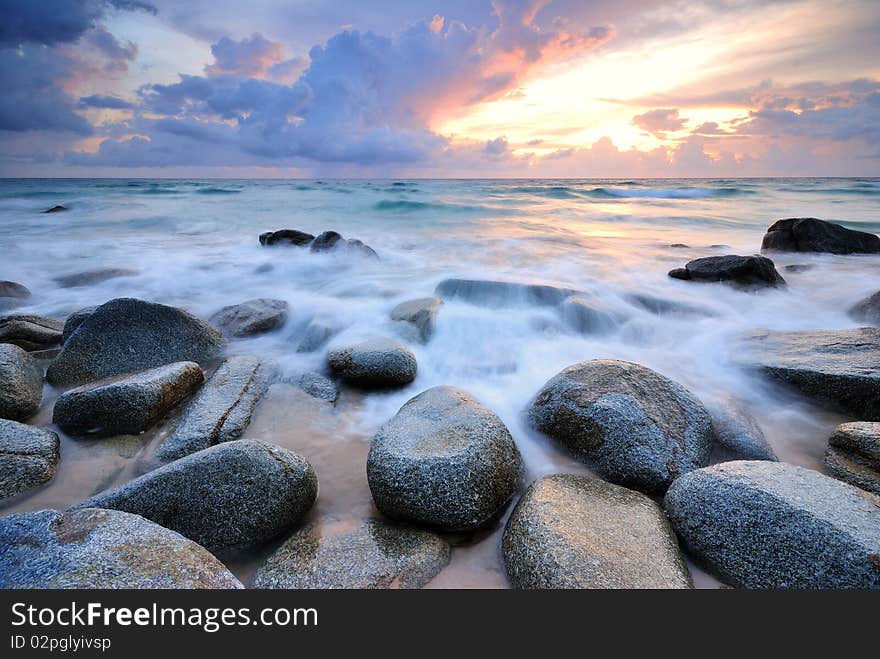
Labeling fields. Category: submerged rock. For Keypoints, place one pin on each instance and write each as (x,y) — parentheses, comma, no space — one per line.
(74,320)
(634,426)
(443,461)
(127,404)
(502,293)
(853,455)
(331,241)
(374,364)
(807,234)
(316,335)
(28,457)
(572,531)
(582,315)
(867,310)
(30,332)
(738,435)
(286,237)
(126,335)
(744,271)
(102,549)
(839,369)
(663,307)
(55,209)
(375,554)
(21,383)
(420,314)
(759,524)
(326,241)
(252,317)
(13,290)
(92,277)
(222,409)
(234,495)
(798,267)
(317,386)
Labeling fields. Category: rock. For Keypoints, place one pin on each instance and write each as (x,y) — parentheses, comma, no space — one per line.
(316,334)
(126,404)
(867,310)
(357,247)
(325,241)
(420,313)
(47,354)
(317,386)
(634,426)
(252,317)
(663,307)
(374,364)
(102,549)
(331,241)
(502,293)
(21,383)
(74,320)
(231,496)
(222,410)
(743,271)
(759,524)
(28,457)
(373,555)
(443,461)
(286,237)
(838,369)
(807,234)
(738,435)
(14,290)
(798,267)
(679,246)
(126,335)
(30,332)
(582,315)
(853,455)
(56,209)
(571,531)
(92,277)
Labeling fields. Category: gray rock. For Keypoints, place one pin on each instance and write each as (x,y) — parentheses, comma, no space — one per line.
(222,410)
(331,241)
(326,241)
(126,404)
(498,294)
(420,313)
(374,364)
(126,335)
(867,310)
(30,332)
(28,457)
(14,290)
(663,307)
(853,454)
(807,234)
(571,531)
(798,267)
(373,555)
(738,435)
(443,461)
(21,383)
(252,317)
(102,549)
(317,386)
(316,334)
(759,524)
(56,209)
(92,277)
(584,317)
(74,320)
(231,496)
(634,426)
(742,271)
(839,369)
(286,237)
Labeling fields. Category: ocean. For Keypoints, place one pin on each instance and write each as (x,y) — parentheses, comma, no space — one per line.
(193,243)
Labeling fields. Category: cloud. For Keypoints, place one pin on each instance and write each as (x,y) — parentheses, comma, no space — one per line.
(659,122)
(497,147)
(105,102)
(250,57)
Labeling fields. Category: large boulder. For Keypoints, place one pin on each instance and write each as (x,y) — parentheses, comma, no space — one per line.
(126,404)
(737,434)
(222,410)
(420,314)
(571,531)
(867,310)
(634,426)
(230,496)
(74,320)
(126,335)
(28,457)
(742,271)
(807,234)
(252,317)
(102,549)
(759,524)
(443,461)
(502,293)
(373,555)
(92,277)
(30,332)
(286,237)
(839,369)
(374,364)
(21,383)
(853,454)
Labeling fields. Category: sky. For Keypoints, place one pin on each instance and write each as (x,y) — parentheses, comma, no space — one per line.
(425,88)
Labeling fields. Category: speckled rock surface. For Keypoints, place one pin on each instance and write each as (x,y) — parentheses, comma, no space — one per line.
(222,409)
(28,457)
(867,310)
(126,404)
(571,531)
(21,383)
(853,454)
(420,314)
(127,335)
(30,332)
(759,524)
(234,495)
(634,426)
(102,549)
(743,271)
(839,369)
(374,364)
(252,317)
(443,461)
(92,277)
(373,555)
(807,234)
(502,293)
(74,320)
(316,386)
(737,434)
